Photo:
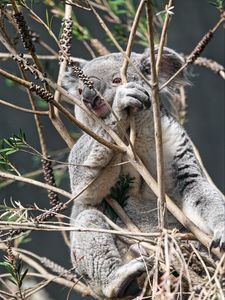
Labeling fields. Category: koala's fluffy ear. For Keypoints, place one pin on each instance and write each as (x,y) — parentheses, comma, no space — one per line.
(170,63)
(70,82)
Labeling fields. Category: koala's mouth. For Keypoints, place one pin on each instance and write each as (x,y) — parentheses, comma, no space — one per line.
(100,108)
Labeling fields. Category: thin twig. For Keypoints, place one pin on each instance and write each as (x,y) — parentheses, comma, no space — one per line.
(6,55)
(36,183)
(202,261)
(124,67)
(29,174)
(157,120)
(163,36)
(42,226)
(37,112)
(211,65)
(122,215)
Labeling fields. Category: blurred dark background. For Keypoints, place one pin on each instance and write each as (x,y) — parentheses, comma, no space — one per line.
(205,123)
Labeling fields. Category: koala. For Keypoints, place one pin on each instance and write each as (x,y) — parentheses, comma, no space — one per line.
(98,257)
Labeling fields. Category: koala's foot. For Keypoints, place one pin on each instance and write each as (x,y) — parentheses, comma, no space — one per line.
(124,280)
(219,239)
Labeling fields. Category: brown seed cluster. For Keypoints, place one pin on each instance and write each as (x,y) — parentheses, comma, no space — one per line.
(51,212)
(26,66)
(77,72)
(66,38)
(200,47)
(210,64)
(43,93)
(49,179)
(10,256)
(24,32)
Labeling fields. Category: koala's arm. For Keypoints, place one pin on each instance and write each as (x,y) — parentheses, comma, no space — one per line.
(198,198)
(88,169)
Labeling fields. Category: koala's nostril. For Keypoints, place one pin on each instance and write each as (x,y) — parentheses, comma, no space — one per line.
(80,91)
(94,103)
(97,101)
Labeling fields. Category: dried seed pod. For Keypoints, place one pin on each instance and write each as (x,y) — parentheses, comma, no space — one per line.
(77,72)
(50,179)
(24,32)
(65,39)
(51,212)
(200,47)
(43,93)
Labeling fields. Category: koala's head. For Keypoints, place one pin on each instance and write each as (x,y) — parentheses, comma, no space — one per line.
(104,72)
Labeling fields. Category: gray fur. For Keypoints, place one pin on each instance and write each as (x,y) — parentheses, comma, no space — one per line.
(97,256)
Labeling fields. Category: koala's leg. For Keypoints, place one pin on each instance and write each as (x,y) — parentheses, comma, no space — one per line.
(198,199)
(96,257)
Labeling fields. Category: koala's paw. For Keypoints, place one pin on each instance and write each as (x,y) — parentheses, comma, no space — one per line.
(124,280)
(219,238)
(132,95)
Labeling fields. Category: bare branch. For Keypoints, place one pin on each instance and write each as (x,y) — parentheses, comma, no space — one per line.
(157,119)
(37,183)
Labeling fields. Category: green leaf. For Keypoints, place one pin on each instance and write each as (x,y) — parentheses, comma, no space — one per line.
(18,265)
(118,192)
(22,277)
(8,142)
(5,150)
(24,238)
(42,104)
(7,265)
(59,176)
(12,151)
(13,281)
(47,18)
(219,4)
(9,83)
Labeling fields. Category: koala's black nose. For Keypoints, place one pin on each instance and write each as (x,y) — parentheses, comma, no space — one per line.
(89,95)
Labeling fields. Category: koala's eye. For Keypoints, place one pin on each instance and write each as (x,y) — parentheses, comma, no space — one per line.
(117,80)
(80,91)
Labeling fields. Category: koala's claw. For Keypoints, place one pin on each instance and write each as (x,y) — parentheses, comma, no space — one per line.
(124,281)
(218,239)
